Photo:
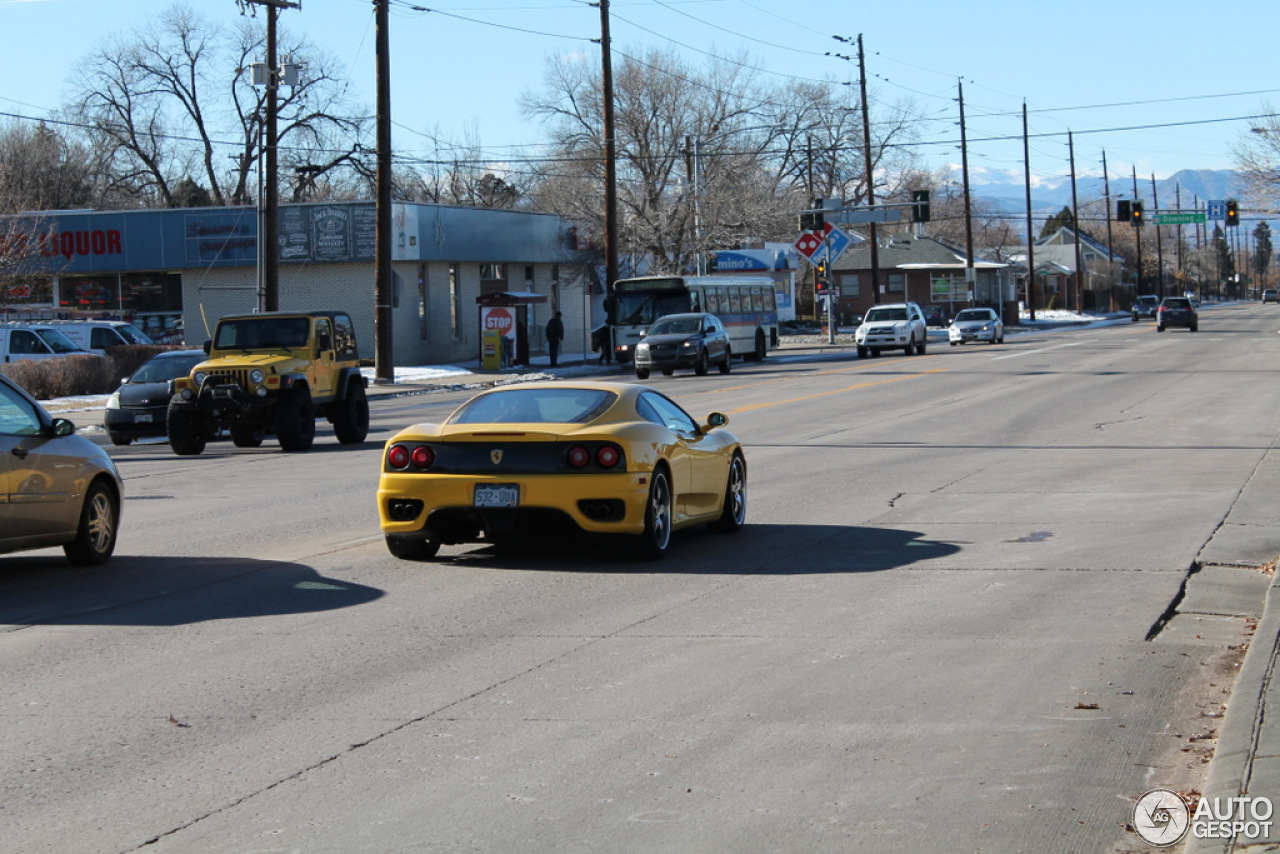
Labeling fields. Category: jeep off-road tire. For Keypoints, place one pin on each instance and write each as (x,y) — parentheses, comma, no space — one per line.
(295,420)
(351,418)
(187,436)
(247,435)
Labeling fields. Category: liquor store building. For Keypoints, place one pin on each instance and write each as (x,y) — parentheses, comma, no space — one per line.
(175,272)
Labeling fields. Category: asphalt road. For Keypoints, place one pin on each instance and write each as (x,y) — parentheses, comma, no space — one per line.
(946,627)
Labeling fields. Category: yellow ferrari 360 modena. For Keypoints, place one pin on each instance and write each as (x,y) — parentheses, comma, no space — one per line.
(517,461)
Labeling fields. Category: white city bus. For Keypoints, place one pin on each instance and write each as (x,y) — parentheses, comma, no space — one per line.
(746,305)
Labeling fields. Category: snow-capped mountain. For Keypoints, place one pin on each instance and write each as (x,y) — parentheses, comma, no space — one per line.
(1186,189)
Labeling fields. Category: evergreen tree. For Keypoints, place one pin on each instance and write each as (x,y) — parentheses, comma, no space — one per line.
(1262,252)
(1062,219)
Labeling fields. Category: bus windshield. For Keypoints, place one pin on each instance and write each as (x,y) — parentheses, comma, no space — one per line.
(645,308)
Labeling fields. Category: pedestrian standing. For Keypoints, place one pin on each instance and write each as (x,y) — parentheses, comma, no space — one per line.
(555,334)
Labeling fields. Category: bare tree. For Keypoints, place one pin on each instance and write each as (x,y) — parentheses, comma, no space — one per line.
(1257,155)
(706,158)
(176,101)
(41,169)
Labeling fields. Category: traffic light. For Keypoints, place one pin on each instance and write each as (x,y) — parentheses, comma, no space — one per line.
(821,285)
(1135,214)
(1122,210)
(1233,212)
(811,221)
(920,206)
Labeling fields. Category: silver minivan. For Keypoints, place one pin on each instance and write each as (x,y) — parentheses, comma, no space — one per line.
(20,341)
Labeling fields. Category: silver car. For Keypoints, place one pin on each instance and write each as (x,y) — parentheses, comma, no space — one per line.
(976,324)
(56,488)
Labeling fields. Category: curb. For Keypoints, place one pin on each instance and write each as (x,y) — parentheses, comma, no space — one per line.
(1232,768)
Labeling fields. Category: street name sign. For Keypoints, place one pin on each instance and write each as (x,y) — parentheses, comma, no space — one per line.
(1178,218)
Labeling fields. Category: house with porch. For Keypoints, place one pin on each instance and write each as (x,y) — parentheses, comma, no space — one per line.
(923,270)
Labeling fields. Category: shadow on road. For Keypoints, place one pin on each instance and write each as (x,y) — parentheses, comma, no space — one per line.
(164,591)
(755,550)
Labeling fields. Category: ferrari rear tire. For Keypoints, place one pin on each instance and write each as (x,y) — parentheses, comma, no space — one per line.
(413,548)
(734,514)
(657,517)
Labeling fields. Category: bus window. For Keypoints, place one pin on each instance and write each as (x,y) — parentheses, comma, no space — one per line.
(735,300)
(757,299)
(695,299)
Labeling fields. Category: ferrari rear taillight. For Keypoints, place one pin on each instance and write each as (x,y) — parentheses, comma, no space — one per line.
(398,457)
(423,457)
(608,456)
(578,456)
(403,456)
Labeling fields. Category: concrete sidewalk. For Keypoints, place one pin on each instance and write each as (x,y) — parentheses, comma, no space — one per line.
(1246,761)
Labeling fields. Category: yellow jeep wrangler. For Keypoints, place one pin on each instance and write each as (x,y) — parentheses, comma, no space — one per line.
(272,373)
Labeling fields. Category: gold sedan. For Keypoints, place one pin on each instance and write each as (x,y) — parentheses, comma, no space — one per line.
(512,462)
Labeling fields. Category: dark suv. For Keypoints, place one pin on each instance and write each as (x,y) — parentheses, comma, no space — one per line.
(1176,311)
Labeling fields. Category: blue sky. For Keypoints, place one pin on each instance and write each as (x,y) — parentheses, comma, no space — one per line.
(1160,86)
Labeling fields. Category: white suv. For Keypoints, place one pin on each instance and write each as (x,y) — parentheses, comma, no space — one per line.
(892,326)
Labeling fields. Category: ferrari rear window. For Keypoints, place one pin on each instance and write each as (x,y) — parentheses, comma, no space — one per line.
(534,405)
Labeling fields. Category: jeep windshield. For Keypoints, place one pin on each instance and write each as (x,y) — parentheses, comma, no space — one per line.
(262,333)
(883,314)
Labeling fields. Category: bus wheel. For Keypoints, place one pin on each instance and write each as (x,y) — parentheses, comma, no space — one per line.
(760,346)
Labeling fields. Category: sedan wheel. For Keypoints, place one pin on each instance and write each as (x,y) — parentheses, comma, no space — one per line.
(734,514)
(657,517)
(725,366)
(700,366)
(96,536)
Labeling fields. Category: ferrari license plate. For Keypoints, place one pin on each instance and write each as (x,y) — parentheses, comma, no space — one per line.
(497,495)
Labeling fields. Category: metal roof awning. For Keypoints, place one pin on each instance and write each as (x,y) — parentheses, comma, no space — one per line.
(510,298)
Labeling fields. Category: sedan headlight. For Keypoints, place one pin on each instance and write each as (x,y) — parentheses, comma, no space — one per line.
(256,376)
(113,402)
(689,343)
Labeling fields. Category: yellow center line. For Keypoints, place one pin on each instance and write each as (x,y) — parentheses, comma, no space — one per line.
(835,391)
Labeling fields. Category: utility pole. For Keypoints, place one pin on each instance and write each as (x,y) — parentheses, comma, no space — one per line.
(1111,271)
(1031,252)
(970,279)
(1155,203)
(610,174)
(1075,225)
(384,370)
(871,183)
(270,236)
(1137,233)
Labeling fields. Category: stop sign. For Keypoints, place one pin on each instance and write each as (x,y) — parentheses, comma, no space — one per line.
(500,319)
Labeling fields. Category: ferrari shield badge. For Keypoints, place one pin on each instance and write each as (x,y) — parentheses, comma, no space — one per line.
(495,457)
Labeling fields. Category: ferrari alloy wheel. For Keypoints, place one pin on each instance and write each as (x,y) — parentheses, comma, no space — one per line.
(413,548)
(734,514)
(657,517)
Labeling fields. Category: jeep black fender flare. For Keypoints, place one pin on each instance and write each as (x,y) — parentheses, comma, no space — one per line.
(288,381)
(345,376)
